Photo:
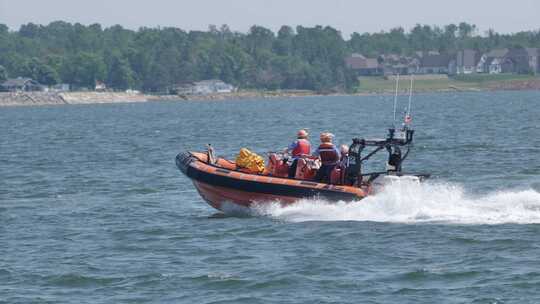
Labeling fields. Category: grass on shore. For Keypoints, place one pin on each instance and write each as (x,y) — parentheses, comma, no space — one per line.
(481,78)
(458,83)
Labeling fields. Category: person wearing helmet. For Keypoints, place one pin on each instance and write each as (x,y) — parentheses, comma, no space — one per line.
(329,155)
(344,160)
(299,148)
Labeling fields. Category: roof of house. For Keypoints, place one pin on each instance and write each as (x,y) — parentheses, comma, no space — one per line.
(391,58)
(467,58)
(421,54)
(209,82)
(357,63)
(399,66)
(372,63)
(18,82)
(435,61)
(533,51)
(497,53)
(185,84)
(357,55)
(414,62)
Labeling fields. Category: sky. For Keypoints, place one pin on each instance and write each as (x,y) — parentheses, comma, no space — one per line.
(348,16)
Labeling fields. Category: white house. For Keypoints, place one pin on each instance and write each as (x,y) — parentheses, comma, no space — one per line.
(205,87)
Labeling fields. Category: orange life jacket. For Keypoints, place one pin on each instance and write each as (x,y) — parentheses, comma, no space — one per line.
(303,147)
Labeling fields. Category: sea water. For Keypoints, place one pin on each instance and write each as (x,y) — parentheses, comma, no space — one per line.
(93,209)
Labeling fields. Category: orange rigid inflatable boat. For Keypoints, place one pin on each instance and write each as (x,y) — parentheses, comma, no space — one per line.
(221,183)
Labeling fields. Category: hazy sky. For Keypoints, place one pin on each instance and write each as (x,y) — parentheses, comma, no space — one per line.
(345,15)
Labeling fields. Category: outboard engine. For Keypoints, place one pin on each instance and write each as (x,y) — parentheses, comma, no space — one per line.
(394,160)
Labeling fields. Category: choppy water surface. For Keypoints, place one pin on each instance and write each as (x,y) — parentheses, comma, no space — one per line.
(93,210)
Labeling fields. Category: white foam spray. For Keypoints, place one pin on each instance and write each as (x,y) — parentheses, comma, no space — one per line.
(410,202)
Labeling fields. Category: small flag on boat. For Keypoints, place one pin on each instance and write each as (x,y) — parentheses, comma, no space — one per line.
(408,119)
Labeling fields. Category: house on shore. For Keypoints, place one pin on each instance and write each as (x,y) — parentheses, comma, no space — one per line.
(497,62)
(21,84)
(520,61)
(515,60)
(534,59)
(364,66)
(436,64)
(395,64)
(100,86)
(467,62)
(184,88)
(205,87)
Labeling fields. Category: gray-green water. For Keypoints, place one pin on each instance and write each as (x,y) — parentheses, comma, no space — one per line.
(93,210)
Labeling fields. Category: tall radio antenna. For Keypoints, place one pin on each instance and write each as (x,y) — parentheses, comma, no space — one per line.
(410,96)
(395,98)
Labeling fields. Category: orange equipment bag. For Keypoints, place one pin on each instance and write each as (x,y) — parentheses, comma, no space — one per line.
(306,168)
(276,166)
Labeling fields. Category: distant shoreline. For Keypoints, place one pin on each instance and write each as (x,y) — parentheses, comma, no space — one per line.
(54,98)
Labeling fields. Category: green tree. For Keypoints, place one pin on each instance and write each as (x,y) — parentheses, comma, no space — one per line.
(3,74)
(17,65)
(283,45)
(421,38)
(30,30)
(465,30)
(42,73)
(83,69)
(259,38)
(156,59)
(120,75)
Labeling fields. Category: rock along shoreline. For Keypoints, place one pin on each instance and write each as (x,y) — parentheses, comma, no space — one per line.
(55,98)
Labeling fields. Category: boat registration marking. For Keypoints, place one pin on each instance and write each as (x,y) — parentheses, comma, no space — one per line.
(309,184)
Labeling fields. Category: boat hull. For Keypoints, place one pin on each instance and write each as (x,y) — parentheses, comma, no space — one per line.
(221,197)
(220,187)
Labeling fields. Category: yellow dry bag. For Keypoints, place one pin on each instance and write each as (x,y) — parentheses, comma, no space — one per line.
(249,160)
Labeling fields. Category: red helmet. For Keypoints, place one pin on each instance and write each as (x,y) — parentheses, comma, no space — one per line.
(302,134)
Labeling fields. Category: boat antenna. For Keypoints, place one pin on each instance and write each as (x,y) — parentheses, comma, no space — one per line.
(410,96)
(395,98)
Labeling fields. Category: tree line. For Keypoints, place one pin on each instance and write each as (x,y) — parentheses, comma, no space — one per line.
(157,59)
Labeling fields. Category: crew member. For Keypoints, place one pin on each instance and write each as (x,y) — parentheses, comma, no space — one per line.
(329,155)
(298,148)
(344,161)
(394,160)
